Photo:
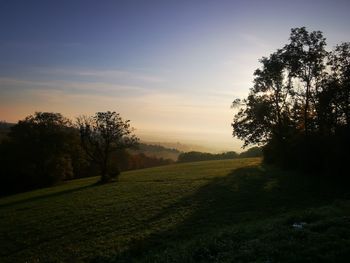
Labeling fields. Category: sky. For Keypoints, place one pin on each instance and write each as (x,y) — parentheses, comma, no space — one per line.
(172,67)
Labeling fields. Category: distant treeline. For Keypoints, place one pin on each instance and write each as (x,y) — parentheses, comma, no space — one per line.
(45,149)
(200,156)
(157,151)
(131,161)
(4,129)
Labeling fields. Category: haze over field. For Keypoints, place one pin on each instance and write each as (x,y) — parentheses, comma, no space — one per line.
(171,67)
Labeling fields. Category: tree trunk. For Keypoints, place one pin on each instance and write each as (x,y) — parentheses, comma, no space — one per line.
(104,174)
(307,101)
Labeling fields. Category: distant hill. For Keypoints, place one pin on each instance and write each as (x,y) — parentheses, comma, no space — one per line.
(183,155)
(181,147)
(158,151)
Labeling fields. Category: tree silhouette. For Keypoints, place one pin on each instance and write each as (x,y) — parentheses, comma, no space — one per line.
(299,106)
(305,59)
(102,134)
(37,152)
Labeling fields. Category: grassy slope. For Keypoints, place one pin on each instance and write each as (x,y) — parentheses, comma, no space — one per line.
(213,211)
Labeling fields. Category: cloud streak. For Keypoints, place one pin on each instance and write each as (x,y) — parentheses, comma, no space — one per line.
(109,74)
(12,85)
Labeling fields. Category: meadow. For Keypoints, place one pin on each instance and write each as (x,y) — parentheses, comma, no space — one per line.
(213,211)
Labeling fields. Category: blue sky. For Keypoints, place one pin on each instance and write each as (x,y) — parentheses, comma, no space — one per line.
(172,67)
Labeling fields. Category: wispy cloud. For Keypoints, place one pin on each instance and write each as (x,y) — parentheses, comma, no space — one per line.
(120,73)
(13,85)
(176,116)
(168,108)
(108,74)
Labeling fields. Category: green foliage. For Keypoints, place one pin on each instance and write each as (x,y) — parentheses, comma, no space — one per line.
(214,211)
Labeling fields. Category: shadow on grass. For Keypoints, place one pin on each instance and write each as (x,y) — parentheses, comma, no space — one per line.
(244,195)
(55,194)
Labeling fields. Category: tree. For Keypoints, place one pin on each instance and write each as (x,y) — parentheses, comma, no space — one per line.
(251,152)
(304,57)
(37,152)
(299,106)
(339,61)
(103,134)
(285,86)
(264,114)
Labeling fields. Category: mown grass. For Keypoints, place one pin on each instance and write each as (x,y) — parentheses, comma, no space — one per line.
(215,211)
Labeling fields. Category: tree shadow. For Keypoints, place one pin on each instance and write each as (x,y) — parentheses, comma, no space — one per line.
(244,195)
(48,195)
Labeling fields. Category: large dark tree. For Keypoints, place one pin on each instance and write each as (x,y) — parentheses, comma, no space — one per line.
(37,152)
(339,83)
(304,57)
(103,134)
(264,113)
(299,106)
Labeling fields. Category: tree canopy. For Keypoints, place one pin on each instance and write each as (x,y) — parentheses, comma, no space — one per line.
(300,100)
(38,152)
(47,148)
(102,134)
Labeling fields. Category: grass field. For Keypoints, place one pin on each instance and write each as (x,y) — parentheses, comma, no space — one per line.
(214,211)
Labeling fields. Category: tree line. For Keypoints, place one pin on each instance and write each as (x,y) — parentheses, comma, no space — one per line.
(47,148)
(195,156)
(299,105)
